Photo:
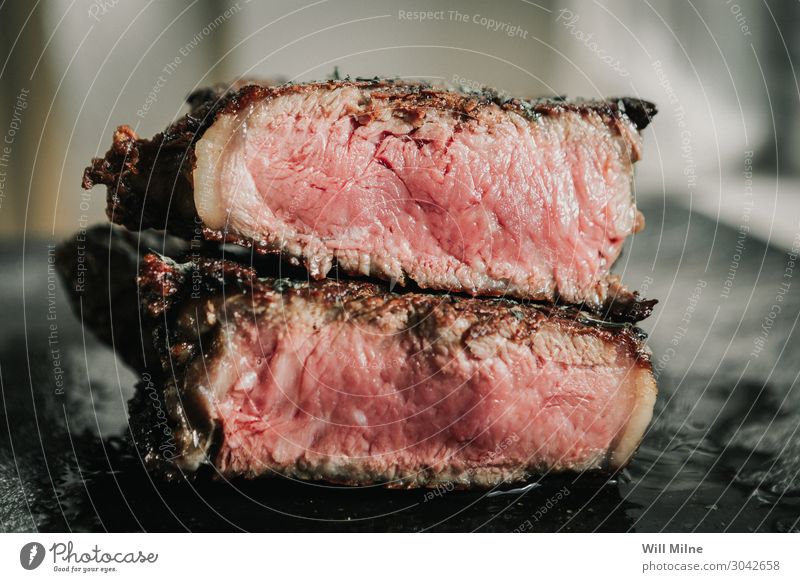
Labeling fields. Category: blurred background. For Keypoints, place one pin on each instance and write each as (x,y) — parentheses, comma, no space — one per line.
(719,184)
(725,142)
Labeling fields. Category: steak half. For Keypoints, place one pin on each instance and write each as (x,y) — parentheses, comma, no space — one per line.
(346,382)
(452,190)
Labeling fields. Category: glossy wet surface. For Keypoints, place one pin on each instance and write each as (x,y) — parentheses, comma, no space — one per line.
(723,452)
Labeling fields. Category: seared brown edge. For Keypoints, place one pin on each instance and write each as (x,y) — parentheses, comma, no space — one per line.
(111,258)
(150,183)
(150,180)
(163,285)
(176,298)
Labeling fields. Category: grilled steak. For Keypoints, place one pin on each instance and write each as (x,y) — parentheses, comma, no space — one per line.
(453,190)
(346,382)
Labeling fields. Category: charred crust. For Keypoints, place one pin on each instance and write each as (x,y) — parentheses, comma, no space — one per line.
(623,305)
(149,181)
(163,285)
(639,111)
(181,296)
(408,96)
(175,321)
(629,309)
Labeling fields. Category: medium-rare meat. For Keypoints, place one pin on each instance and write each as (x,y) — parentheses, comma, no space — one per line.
(347,382)
(452,190)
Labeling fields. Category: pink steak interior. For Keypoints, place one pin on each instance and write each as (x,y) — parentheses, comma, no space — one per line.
(497,204)
(297,393)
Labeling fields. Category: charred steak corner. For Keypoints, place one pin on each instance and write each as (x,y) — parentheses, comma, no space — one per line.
(455,191)
(348,383)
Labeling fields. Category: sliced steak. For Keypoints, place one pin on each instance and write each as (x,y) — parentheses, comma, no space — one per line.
(455,191)
(346,382)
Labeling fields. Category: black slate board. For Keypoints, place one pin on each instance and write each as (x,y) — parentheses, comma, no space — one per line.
(723,452)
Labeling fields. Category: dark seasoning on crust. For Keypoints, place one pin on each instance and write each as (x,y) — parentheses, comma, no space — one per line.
(163,284)
(173,312)
(150,182)
(168,184)
(186,305)
(175,300)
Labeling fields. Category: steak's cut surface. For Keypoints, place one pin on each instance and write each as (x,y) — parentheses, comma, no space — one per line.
(349,383)
(455,191)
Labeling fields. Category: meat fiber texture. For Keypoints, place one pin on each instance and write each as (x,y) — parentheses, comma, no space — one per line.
(451,190)
(346,382)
